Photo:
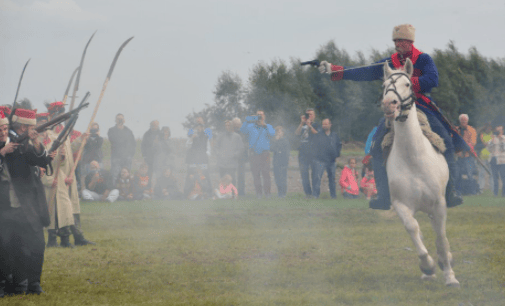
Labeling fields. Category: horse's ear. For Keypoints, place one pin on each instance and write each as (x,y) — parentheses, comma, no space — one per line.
(409,67)
(387,70)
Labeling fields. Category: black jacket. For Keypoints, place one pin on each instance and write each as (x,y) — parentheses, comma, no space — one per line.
(122,143)
(27,185)
(326,147)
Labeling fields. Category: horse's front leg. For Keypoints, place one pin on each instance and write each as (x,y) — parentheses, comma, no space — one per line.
(427,264)
(445,261)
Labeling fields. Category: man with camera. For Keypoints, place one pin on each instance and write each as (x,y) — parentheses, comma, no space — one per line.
(306,130)
(259,134)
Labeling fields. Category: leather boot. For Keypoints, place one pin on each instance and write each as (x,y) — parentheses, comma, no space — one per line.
(79,239)
(34,288)
(51,241)
(452,196)
(17,288)
(65,242)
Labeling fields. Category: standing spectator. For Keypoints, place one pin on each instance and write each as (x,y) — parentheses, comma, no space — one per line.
(97,185)
(368,184)
(197,159)
(92,149)
(228,148)
(349,179)
(496,147)
(280,147)
(149,142)
(306,130)
(122,147)
(485,135)
(200,122)
(465,162)
(142,188)
(243,157)
(166,186)
(164,153)
(328,149)
(124,185)
(259,134)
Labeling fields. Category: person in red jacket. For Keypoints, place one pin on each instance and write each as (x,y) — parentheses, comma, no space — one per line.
(349,180)
(367,184)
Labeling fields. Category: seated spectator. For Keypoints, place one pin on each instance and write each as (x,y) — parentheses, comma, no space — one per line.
(142,184)
(97,185)
(198,186)
(124,185)
(92,149)
(368,184)
(226,189)
(166,186)
(349,180)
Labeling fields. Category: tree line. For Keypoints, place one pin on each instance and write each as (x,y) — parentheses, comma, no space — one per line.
(468,83)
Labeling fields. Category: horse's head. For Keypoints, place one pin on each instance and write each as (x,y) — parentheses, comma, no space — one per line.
(398,96)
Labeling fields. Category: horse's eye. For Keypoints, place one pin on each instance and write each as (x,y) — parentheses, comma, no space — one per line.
(407,84)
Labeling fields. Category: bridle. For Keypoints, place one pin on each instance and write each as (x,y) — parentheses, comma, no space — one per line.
(404,107)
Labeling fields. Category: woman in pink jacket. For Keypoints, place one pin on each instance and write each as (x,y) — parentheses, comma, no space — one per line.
(349,180)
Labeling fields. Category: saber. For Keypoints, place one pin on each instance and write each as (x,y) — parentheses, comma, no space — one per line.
(17,92)
(76,85)
(316,63)
(111,69)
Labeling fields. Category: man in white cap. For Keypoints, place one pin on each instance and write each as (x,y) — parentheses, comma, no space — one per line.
(23,207)
(424,79)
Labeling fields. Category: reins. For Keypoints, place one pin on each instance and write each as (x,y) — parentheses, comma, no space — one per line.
(403,106)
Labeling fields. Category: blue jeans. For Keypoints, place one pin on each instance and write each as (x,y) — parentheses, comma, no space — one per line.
(281,178)
(318,171)
(498,170)
(305,162)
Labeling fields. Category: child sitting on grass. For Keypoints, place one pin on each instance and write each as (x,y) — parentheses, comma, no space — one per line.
(142,184)
(368,184)
(226,189)
(166,186)
(349,180)
(124,185)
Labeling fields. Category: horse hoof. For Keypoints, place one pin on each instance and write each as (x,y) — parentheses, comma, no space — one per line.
(431,277)
(453,284)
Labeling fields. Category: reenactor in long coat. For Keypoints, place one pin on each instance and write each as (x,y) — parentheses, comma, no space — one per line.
(60,207)
(23,207)
(71,145)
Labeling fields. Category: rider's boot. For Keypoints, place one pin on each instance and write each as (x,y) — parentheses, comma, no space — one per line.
(383,200)
(452,195)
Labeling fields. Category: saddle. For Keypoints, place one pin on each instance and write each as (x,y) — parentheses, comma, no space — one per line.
(434,138)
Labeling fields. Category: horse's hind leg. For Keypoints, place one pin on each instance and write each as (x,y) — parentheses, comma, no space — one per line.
(443,249)
(427,264)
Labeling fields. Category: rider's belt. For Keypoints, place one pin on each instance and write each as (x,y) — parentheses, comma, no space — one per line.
(423,97)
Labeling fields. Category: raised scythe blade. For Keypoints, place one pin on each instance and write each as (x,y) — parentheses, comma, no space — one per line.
(17,92)
(76,84)
(111,69)
(65,96)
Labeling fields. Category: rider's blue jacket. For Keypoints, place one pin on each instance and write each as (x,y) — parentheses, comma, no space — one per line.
(424,79)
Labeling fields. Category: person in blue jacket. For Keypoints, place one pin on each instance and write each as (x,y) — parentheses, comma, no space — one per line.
(424,79)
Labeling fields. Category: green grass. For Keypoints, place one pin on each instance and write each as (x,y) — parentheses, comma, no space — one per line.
(290,252)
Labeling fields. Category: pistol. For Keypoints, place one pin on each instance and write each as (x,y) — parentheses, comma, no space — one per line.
(314,63)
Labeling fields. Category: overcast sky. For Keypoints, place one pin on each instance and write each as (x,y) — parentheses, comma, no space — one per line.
(181,47)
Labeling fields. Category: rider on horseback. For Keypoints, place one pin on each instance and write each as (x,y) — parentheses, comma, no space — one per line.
(425,77)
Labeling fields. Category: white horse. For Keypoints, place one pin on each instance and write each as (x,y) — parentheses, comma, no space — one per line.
(417,173)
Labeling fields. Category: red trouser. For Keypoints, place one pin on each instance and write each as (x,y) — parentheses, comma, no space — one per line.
(260,166)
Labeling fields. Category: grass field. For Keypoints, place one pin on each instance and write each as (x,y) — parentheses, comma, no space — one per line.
(289,252)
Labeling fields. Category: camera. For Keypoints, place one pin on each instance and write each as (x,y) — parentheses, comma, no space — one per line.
(306,116)
(252,118)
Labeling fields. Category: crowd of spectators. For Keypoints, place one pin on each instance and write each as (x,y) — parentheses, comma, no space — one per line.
(254,141)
